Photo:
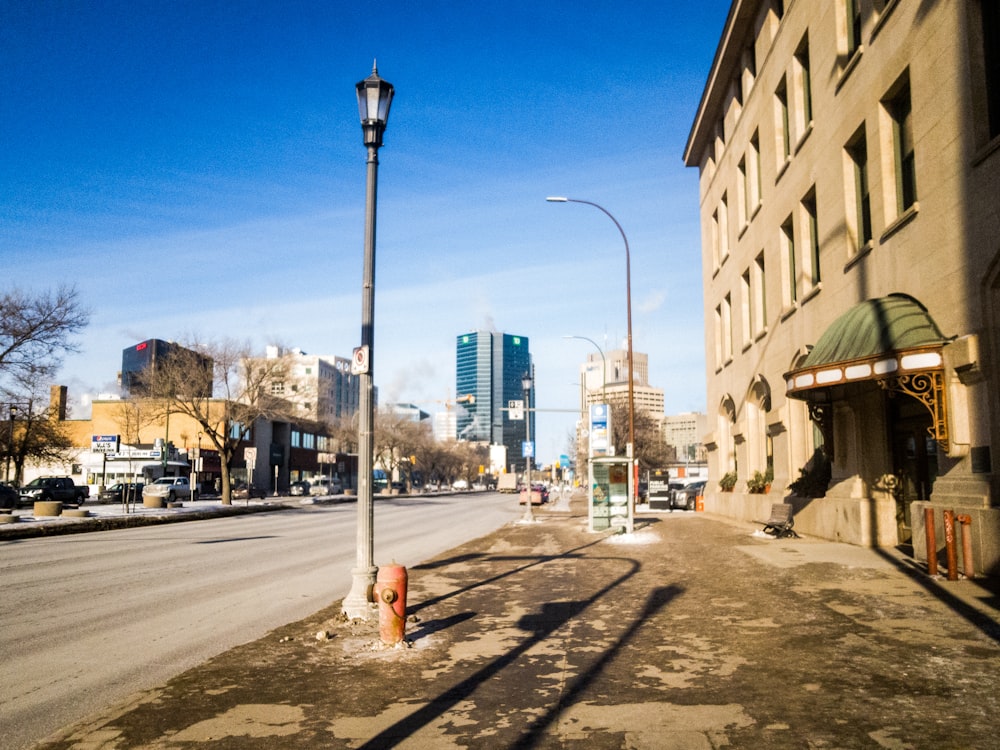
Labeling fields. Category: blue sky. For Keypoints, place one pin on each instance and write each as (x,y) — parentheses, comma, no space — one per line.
(197,169)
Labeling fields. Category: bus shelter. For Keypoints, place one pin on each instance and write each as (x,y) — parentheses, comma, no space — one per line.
(610,491)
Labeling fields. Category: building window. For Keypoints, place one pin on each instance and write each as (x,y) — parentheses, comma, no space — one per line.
(791,277)
(803,85)
(715,240)
(746,300)
(724,228)
(809,213)
(755,178)
(277,388)
(781,98)
(743,194)
(727,329)
(852,9)
(718,337)
(857,151)
(900,110)
(990,10)
(296,439)
(760,298)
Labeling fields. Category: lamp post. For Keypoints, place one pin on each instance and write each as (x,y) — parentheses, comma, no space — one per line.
(10,443)
(628,301)
(374,98)
(529,513)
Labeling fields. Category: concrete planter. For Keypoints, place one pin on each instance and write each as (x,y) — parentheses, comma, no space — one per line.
(152,502)
(47,508)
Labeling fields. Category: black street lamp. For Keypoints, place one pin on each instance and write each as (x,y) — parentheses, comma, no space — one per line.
(526,382)
(374,98)
(10,443)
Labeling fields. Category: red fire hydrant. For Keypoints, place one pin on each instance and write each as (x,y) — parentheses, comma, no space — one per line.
(390,590)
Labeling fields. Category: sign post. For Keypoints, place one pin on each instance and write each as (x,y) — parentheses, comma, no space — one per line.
(600,430)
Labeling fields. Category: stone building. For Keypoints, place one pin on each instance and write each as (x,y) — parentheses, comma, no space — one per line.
(849,162)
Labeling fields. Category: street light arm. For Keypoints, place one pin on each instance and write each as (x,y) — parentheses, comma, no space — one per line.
(604,364)
(561,199)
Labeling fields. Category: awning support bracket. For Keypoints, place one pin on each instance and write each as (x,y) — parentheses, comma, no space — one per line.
(928,389)
(822,415)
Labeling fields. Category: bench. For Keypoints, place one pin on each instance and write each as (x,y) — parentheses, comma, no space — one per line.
(780,523)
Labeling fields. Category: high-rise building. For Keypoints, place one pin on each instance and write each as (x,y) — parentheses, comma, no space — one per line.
(490,366)
(142,359)
(604,378)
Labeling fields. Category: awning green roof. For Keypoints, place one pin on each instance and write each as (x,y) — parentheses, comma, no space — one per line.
(874,327)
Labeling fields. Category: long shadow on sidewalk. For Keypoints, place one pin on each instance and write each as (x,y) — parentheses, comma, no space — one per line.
(552,617)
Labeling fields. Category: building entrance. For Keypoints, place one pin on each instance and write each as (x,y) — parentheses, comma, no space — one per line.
(914,457)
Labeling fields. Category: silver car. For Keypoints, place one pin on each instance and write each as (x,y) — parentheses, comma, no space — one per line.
(686,497)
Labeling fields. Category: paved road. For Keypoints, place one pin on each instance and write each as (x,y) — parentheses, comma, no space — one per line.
(89,619)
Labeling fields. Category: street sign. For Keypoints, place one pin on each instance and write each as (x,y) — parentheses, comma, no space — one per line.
(250,455)
(600,439)
(359,362)
(104,443)
(515,410)
(136,453)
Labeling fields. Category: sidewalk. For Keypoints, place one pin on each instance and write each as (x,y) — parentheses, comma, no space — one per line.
(691,633)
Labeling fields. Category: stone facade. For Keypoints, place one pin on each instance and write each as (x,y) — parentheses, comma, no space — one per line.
(849,155)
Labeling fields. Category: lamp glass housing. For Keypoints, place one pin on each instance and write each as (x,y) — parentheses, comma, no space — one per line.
(374,99)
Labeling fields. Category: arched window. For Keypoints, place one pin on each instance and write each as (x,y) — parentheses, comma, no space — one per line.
(758,404)
(727,447)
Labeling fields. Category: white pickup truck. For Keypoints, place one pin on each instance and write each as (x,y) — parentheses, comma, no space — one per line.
(171,489)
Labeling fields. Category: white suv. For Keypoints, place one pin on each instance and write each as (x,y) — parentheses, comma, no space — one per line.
(326,486)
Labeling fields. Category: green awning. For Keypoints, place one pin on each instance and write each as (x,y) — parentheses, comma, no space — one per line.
(879,338)
(875,327)
(891,343)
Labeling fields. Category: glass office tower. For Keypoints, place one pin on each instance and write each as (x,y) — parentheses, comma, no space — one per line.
(489,365)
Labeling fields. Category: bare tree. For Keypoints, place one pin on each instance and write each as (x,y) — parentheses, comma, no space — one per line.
(131,416)
(36,331)
(345,434)
(225,398)
(39,436)
(471,456)
(650,448)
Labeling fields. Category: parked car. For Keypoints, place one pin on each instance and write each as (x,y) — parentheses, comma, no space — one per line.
(171,489)
(686,497)
(9,499)
(539,494)
(301,487)
(61,489)
(241,492)
(114,493)
(326,486)
(460,484)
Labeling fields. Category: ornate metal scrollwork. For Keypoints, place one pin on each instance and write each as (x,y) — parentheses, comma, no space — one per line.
(928,389)
(822,415)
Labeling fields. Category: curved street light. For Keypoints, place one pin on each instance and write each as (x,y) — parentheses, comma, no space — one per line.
(628,302)
(604,365)
(374,98)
